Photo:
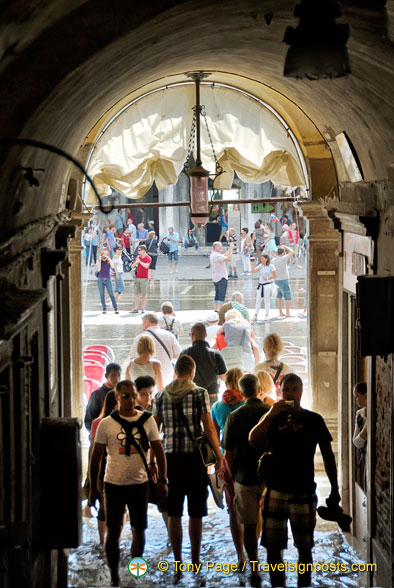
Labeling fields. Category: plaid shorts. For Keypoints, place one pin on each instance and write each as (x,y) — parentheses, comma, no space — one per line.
(278,508)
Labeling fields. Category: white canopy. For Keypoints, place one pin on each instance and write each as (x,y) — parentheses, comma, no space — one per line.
(148,142)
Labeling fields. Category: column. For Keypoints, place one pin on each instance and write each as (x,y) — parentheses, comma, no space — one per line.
(167,216)
(76,366)
(323,310)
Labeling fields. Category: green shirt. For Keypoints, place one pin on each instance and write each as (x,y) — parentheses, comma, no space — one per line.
(235,438)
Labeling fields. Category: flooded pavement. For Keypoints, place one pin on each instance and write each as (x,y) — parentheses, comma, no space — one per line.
(87,565)
(191,292)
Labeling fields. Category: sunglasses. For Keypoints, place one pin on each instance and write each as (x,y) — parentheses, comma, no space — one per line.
(127,395)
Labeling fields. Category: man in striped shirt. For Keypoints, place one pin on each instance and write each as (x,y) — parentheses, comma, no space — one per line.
(186,473)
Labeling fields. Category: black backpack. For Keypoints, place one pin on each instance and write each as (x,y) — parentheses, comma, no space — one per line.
(142,444)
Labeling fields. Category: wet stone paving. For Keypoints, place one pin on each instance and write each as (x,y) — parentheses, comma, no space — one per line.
(191,292)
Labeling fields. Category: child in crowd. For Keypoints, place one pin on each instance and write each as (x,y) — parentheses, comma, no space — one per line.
(168,320)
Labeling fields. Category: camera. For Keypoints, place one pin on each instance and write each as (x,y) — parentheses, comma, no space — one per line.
(289,403)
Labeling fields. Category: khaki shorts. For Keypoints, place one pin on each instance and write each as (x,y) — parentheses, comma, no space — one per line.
(141,285)
(247,503)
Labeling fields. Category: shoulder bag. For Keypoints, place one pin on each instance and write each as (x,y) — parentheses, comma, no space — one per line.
(201,443)
(233,356)
(164,248)
(160,341)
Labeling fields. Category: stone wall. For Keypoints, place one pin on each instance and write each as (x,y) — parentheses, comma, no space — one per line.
(383,442)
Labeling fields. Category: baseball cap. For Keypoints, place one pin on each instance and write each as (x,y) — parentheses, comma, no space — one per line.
(213,317)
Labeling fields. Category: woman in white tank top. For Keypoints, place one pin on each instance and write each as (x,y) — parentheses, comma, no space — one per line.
(144,364)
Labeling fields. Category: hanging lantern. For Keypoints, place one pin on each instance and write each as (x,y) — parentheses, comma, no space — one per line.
(198,176)
(199,208)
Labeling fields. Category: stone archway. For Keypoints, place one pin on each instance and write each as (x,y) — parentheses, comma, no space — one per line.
(323,268)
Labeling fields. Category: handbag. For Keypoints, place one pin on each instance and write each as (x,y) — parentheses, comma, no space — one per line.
(234,356)
(201,443)
(216,485)
(164,248)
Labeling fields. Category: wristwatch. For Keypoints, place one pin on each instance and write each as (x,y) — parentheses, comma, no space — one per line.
(164,480)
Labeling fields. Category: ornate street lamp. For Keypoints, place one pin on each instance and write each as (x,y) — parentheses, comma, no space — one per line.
(198,176)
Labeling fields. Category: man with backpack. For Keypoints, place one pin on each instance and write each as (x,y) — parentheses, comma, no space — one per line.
(210,365)
(127,434)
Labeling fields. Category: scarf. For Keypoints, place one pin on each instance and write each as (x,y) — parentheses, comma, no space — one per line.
(232,397)
(178,389)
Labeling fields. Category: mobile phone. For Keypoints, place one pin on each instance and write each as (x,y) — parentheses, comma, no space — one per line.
(289,403)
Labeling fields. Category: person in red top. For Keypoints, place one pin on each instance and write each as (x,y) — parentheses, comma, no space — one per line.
(125,239)
(142,264)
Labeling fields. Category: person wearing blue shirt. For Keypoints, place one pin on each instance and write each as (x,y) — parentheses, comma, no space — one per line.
(172,239)
(119,222)
(190,240)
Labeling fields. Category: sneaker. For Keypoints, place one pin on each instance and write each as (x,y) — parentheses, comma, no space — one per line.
(230,275)
(104,312)
(235,276)
(116,311)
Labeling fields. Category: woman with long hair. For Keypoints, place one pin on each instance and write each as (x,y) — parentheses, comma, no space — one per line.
(231,400)
(104,266)
(273,347)
(145,364)
(267,275)
(270,243)
(267,392)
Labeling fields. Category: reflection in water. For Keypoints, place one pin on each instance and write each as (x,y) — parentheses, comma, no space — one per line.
(87,565)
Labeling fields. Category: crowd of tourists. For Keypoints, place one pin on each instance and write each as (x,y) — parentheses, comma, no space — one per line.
(260,252)
(156,433)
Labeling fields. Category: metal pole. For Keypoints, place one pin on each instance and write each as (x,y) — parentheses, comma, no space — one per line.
(198,112)
(169,204)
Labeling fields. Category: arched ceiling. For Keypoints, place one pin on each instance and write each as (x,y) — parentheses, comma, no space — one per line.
(64,72)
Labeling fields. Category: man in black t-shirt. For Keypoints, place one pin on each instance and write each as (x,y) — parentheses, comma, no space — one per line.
(210,363)
(292,434)
(96,400)
(242,462)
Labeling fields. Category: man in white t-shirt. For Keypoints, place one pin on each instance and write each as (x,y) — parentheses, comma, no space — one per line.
(126,477)
(281,263)
(219,272)
(166,344)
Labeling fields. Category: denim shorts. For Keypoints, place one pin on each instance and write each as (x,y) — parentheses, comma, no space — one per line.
(220,291)
(119,284)
(283,289)
(173,255)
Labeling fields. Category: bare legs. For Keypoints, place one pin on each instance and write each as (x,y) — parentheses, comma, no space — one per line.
(195,534)
(112,548)
(237,534)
